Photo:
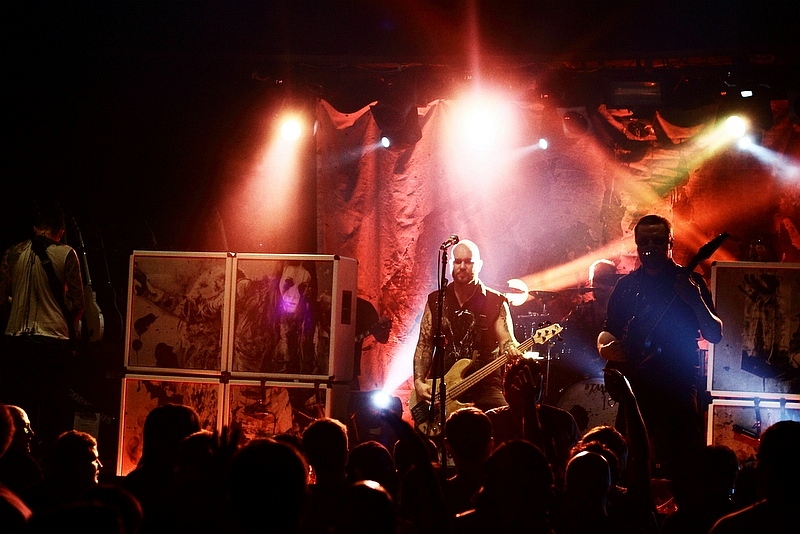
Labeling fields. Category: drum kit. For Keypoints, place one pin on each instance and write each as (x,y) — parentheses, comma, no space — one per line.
(573,376)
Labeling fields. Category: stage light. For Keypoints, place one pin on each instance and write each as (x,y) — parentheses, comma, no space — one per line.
(744,142)
(291,129)
(543,144)
(480,128)
(366,421)
(574,122)
(400,128)
(735,126)
(517,293)
(748,140)
(382,400)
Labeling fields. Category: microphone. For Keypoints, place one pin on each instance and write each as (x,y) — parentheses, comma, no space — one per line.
(452,240)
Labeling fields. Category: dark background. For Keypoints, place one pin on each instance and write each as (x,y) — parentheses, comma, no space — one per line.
(128,112)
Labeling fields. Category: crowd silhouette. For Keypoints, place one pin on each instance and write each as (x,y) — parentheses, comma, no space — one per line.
(194,480)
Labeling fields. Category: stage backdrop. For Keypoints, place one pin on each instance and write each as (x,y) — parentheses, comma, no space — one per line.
(569,205)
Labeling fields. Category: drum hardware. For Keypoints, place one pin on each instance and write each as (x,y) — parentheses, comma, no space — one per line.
(548,358)
(533,321)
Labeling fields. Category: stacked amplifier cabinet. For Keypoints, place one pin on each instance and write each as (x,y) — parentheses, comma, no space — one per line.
(260,341)
(754,372)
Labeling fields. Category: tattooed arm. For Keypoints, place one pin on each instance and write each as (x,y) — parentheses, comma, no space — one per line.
(422,355)
(504,330)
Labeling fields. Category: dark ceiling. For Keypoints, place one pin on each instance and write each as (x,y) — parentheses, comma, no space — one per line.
(129,109)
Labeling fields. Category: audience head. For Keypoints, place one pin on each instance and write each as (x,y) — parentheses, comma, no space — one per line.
(778,467)
(611,438)
(267,486)
(128,507)
(404,453)
(588,479)
(705,477)
(75,459)
(371,460)
(325,445)
(518,479)
(195,455)
(369,509)
(23,432)
(291,439)
(598,447)
(164,428)
(468,435)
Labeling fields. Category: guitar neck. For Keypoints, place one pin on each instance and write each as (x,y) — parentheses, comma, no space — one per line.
(85,264)
(81,248)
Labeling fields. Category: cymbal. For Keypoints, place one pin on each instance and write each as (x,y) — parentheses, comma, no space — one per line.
(577,290)
(513,291)
(543,295)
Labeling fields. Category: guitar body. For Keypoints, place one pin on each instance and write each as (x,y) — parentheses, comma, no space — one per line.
(457,382)
(93,317)
(431,424)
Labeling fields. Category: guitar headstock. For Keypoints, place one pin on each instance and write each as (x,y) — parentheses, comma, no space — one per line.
(546,333)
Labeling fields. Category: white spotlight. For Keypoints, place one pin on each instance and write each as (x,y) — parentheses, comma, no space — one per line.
(543,144)
(290,129)
(744,142)
(735,126)
(517,293)
(381,399)
(480,128)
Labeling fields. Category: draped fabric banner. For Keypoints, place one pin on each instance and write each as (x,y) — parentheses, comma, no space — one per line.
(532,214)
(380,207)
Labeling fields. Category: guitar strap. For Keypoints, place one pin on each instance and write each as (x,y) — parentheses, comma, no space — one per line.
(39,246)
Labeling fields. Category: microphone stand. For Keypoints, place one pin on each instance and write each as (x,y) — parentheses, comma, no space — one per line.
(437,367)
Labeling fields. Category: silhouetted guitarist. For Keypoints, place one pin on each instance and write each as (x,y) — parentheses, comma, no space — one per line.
(656,315)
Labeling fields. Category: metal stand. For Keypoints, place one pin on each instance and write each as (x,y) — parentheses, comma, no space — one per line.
(548,357)
(437,366)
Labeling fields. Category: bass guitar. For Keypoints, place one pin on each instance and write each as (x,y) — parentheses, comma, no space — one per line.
(456,384)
